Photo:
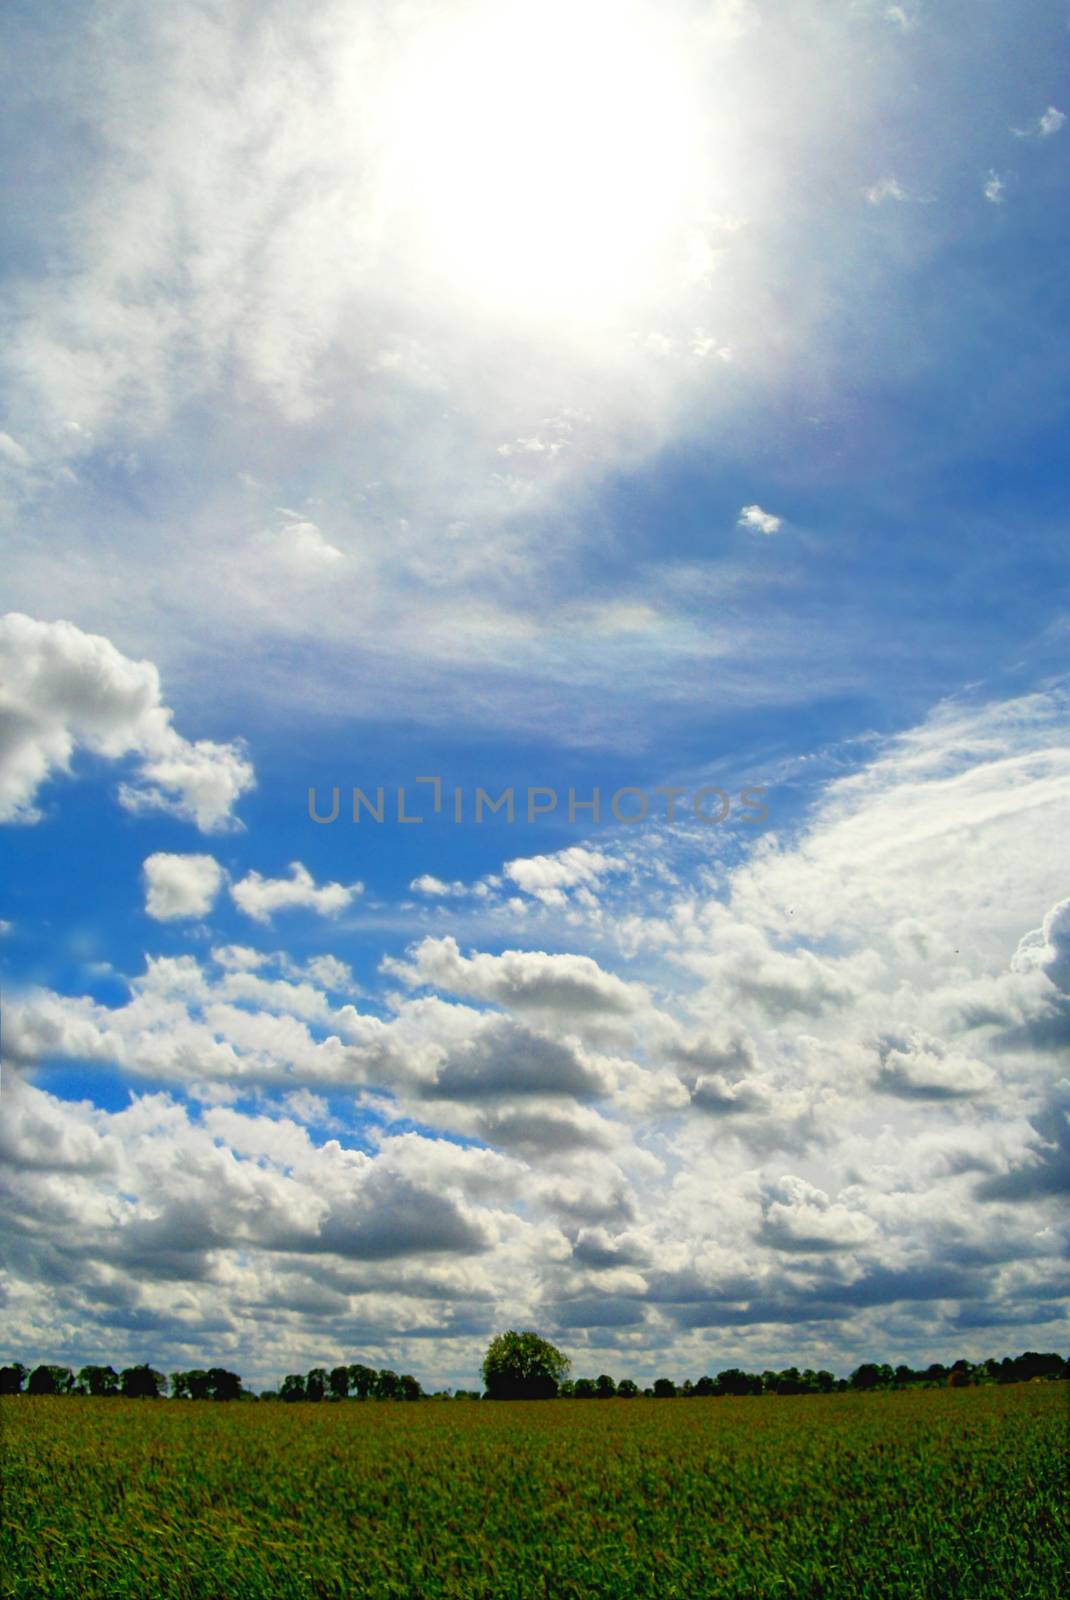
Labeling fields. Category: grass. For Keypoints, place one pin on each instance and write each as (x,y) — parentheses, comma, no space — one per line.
(945,1493)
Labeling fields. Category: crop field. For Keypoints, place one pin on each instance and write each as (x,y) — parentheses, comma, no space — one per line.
(940,1493)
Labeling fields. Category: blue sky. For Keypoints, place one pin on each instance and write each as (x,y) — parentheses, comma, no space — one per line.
(588,396)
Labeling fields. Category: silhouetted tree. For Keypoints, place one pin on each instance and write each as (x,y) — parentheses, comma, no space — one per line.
(223,1385)
(50,1380)
(387,1385)
(871,1375)
(142,1382)
(733,1380)
(1033,1364)
(522,1366)
(194,1385)
(98,1380)
(361,1380)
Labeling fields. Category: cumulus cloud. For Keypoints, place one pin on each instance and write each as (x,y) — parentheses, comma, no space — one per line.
(1043,1171)
(743,965)
(298,549)
(918,1067)
(549,878)
(505,1059)
(238,958)
(545,1132)
(755,520)
(65,691)
(1047,949)
(721,1097)
(523,980)
(177,886)
(807,1144)
(799,1217)
(260,897)
(428,884)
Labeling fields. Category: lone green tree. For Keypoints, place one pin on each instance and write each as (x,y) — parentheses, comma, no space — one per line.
(521,1366)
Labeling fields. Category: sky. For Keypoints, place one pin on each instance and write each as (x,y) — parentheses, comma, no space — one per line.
(483,407)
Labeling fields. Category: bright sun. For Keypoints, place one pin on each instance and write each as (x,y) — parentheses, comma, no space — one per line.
(546,154)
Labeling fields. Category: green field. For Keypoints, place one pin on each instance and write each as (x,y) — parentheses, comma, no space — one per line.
(913,1493)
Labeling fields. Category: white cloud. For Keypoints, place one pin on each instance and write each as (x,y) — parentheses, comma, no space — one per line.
(260,897)
(548,878)
(180,886)
(238,958)
(1049,123)
(299,548)
(886,189)
(573,986)
(883,1176)
(923,1068)
(64,691)
(799,1217)
(428,884)
(331,973)
(758,521)
(995,189)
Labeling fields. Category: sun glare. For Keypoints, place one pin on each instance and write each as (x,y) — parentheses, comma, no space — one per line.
(545,154)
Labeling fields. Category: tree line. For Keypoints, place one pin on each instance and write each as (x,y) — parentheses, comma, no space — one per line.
(516,1366)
